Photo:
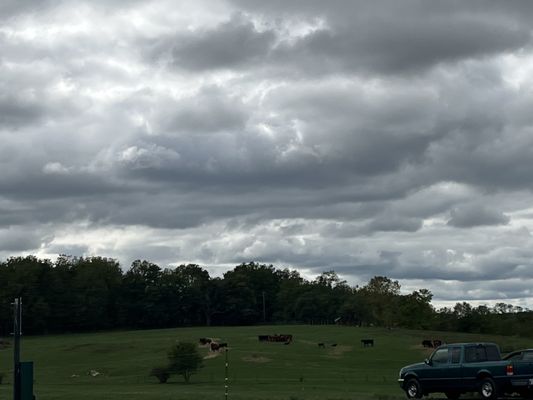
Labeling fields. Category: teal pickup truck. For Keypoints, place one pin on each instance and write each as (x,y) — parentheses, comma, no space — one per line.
(455,369)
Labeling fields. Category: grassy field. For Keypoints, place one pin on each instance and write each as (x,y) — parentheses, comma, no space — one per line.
(270,371)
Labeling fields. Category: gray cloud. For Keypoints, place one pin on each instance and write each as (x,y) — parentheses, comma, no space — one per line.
(361,137)
(232,44)
(471,215)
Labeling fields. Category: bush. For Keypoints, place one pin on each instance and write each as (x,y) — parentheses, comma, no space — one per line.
(161,373)
(185,359)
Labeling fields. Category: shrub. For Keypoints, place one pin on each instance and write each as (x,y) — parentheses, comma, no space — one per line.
(184,359)
(161,373)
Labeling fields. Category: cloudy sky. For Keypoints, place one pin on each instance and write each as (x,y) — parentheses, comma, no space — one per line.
(375,137)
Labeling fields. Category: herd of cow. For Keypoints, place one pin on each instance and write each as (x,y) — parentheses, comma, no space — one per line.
(432,343)
(217,346)
(285,339)
(213,346)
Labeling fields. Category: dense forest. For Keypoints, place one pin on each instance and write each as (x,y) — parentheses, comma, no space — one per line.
(84,294)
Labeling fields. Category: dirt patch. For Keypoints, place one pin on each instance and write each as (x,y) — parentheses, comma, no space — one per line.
(255,358)
(338,351)
(212,355)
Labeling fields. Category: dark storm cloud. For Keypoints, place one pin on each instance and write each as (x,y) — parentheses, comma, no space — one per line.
(209,111)
(394,223)
(382,36)
(357,136)
(10,8)
(16,111)
(471,215)
(235,43)
(393,48)
(18,239)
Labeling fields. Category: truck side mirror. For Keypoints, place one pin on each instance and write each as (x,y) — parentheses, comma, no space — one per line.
(427,362)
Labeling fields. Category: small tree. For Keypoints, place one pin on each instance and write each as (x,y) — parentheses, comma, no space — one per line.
(184,360)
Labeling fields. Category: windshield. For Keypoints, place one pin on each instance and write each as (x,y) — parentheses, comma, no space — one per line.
(440,356)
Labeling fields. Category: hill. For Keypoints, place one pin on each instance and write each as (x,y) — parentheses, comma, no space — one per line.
(258,370)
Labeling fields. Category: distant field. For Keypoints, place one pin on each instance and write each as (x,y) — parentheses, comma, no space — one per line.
(268,371)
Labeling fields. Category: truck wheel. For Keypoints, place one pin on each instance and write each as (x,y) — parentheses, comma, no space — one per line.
(413,389)
(452,395)
(487,389)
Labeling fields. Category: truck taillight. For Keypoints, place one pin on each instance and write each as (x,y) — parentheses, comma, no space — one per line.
(510,370)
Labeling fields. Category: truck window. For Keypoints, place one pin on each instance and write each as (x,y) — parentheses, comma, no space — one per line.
(493,354)
(456,355)
(528,356)
(440,356)
(475,354)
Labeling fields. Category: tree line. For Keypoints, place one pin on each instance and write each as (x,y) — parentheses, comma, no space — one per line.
(79,294)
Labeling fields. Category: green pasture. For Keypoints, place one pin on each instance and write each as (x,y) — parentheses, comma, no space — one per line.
(257,370)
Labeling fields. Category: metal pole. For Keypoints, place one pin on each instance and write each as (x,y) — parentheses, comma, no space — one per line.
(226,380)
(17,331)
(264,307)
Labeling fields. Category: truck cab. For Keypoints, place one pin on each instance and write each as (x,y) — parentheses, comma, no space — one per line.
(455,369)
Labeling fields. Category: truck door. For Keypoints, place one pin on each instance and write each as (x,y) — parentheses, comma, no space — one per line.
(455,371)
(437,374)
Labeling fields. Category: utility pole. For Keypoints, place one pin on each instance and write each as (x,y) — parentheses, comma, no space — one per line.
(17,332)
(264,307)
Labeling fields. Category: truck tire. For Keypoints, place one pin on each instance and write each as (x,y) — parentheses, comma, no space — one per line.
(487,389)
(413,389)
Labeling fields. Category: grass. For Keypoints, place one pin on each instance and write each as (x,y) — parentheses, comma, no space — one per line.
(257,370)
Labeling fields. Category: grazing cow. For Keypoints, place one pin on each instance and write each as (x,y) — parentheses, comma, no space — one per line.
(427,343)
(280,338)
(222,345)
(322,345)
(214,346)
(437,343)
(367,342)
(333,344)
(204,341)
(286,339)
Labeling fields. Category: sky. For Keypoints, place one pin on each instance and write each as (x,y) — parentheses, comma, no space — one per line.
(370,138)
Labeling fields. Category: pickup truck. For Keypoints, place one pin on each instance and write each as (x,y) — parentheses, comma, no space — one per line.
(522,378)
(455,369)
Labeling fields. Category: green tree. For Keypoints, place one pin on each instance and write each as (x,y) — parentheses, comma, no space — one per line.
(184,359)
(382,295)
(195,299)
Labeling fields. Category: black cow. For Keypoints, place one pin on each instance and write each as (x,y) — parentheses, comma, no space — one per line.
(437,343)
(427,343)
(367,342)
(263,338)
(214,346)
(322,345)
(204,341)
(222,345)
